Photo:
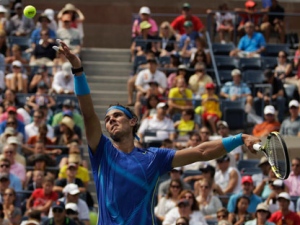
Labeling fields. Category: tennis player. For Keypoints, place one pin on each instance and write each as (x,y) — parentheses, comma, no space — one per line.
(126,177)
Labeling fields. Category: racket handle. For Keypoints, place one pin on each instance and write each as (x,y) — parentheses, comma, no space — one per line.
(257,146)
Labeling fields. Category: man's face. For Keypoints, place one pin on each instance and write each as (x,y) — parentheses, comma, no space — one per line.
(247,188)
(47,186)
(194,141)
(72,198)
(204,134)
(237,79)
(9,152)
(38,177)
(152,66)
(71,171)
(223,131)
(283,204)
(39,148)
(37,118)
(249,29)
(223,165)
(294,111)
(296,166)
(58,214)
(4,184)
(4,167)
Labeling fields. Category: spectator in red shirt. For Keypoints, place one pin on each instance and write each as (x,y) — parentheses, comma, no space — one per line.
(284,216)
(178,22)
(41,199)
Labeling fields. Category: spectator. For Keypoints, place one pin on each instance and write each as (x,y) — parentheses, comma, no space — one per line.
(291,125)
(40,76)
(16,81)
(198,81)
(11,100)
(50,15)
(69,35)
(4,184)
(144,15)
(208,203)
(181,72)
(200,56)
(43,53)
(67,133)
(42,156)
(4,49)
(3,220)
(168,202)
(262,180)
(16,56)
(63,80)
(297,67)
(187,207)
(284,68)
(250,45)
(15,121)
(159,125)
(11,211)
(276,22)
(37,180)
(222,214)
(186,125)
(20,25)
(167,38)
(284,214)
(180,97)
(240,214)
(42,198)
(15,181)
(228,178)
(3,17)
(150,109)
(10,131)
(59,215)
(72,192)
(293,181)
(15,144)
(182,221)
(42,134)
(58,62)
(237,90)
(270,124)
(277,188)
(72,213)
(175,174)
(262,214)
(36,36)
(247,191)
(178,22)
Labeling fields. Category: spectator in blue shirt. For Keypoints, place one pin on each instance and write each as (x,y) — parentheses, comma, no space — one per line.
(250,45)
(247,188)
(187,41)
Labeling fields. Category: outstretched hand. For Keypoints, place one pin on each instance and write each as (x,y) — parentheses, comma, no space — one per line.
(249,141)
(64,49)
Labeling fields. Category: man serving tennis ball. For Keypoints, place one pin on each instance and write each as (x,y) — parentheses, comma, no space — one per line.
(126,176)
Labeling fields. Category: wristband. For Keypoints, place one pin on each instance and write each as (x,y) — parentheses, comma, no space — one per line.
(77,70)
(232,142)
(81,86)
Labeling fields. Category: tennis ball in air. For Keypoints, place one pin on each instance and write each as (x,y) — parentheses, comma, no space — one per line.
(29,11)
(199,110)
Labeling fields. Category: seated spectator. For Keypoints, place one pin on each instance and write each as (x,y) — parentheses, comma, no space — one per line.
(72,192)
(144,15)
(40,154)
(41,75)
(10,209)
(4,49)
(150,109)
(198,81)
(3,220)
(228,178)
(222,215)
(187,207)
(72,213)
(277,188)
(284,67)
(50,15)
(3,17)
(180,97)
(247,191)
(168,202)
(15,181)
(32,129)
(297,67)
(67,133)
(250,45)
(208,203)
(159,125)
(14,121)
(82,172)
(42,198)
(167,39)
(34,218)
(41,135)
(59,215)
(237,90)
(17,81)
(58,62)
(291,125)
(200,56)
(293,181)
(178,22)
(63,80)
(43,53)
(10,99)
(75,149)
(10,131)
(262,215)
(182,221)
(284,214)
(20,25)
(43,28)
(69,35)
(181,72)
(187,41)
(4,184)
(240,214)
(275,23)
(270,124)
(16,145)
(16,56)
(37,180)
(186,125)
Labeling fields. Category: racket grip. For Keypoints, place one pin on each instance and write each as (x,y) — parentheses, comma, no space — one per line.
(257,146)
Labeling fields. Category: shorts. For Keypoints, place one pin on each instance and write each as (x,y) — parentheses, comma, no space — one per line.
(206,115)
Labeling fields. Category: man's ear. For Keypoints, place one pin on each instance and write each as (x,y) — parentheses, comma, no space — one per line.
(133,121)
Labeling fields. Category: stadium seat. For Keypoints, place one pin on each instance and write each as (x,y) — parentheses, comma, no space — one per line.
(164,60)
(273,49)
(225,103)
(61,98)
(23,42)
(235,117)
(225,75)
(139,60)
(222,49)
(291,91)
(253,77)
(250,64)
(211,222)
(269,62)
(22,98)
(248,166)
(226,63)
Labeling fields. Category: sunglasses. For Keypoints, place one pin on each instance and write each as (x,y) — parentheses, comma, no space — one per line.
(189,197)
(4,165)
(204,132)
(10,123)
(57,210)
(8,152)
(8,194)
(180,223)
(67,21)
(182,206)
(295,165)
(175,186)
(221,216)
(200,70)
(281,56)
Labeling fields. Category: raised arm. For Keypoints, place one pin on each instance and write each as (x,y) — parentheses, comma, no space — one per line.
(91,121)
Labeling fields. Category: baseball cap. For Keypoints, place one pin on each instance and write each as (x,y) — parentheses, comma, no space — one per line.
(210,86)
(269,109)
(69,102)
(184,202)
(67,68)
(223,123)
(58,205)
(9,130)
(188,23)
(247,179)
(294,103)
(12,140)
(68,113)
(284,195)
(72,165)
(186,5)
(11,109)
(145,25)
(182,67)
(71,189)
(50,13)
(263,160)
(162,105)
(145,10)
(16,63)
(223,159)
(278,183)
(235,72)
(250,4)
(2,9)
(207,168)
(178,169)
(74,158)
(262,206)
(18,5)
(4,176)
(72,206)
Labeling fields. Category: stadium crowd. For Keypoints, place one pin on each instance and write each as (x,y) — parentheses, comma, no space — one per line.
(175,92)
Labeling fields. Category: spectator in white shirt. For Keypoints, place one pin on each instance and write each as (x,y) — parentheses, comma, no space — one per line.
(63,80)
(17,81)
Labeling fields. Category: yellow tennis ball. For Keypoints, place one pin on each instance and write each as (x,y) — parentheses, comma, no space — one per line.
(199,110)
(29,11)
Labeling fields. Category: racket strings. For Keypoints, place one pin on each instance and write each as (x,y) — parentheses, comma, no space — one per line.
(277,155)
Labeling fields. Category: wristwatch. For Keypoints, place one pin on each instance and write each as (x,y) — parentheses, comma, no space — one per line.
(77,70)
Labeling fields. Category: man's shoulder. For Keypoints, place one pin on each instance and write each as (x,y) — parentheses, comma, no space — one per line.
(179,18)
(30,125)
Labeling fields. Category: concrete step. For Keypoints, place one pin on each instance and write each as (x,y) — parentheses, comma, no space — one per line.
(107,86)
(111,68)
(107,78)
(105,55)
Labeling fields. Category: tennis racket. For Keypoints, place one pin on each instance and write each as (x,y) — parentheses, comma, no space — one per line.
(276,152)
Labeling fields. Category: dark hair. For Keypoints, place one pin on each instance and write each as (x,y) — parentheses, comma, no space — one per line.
(190,112)
(169,193)
(223,210)
(35,214)
(268,73)
(41,112)
(195,135)
(238,200)
(195,205)
(186,220)
(166,142)
(5,160)
(43,126)
(150,98)
(48,179)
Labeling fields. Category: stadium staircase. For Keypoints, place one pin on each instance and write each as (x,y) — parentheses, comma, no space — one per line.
(107,71)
